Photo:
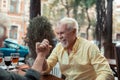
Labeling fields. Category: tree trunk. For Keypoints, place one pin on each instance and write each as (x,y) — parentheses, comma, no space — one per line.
(101,12)
(75,10)
(109,22)
(35,8)
(109,50)
(89,23)
(108,45)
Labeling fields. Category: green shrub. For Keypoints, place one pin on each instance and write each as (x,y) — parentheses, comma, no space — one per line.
(39,28)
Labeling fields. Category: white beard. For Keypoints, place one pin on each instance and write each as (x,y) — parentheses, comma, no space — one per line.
(64,44)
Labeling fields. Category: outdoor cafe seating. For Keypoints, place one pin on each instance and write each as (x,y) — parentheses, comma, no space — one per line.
(22,68)
(114,64)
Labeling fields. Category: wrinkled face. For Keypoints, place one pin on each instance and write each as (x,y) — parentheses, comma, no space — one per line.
(65,36)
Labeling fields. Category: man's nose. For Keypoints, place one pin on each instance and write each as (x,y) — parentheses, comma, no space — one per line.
(60,37)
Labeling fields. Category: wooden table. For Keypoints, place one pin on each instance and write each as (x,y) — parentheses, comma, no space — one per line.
(19,70)
(49,77)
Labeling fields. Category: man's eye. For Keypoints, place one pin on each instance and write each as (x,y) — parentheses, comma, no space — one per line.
(62,32)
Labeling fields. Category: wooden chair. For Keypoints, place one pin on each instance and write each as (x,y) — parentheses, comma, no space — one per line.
(117,56)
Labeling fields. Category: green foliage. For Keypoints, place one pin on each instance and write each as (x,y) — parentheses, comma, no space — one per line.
(54,3)
(39,28)
(85,3)
(61,8)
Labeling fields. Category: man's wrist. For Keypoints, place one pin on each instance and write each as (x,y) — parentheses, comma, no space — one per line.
(41,56)
(38,63)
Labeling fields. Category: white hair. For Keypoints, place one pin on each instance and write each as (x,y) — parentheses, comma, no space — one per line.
(70,22)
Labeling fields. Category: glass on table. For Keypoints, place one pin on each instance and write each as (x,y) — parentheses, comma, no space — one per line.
(15,58)
(7,61)
(1,58)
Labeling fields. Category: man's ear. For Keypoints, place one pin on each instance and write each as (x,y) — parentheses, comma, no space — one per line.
(74,31)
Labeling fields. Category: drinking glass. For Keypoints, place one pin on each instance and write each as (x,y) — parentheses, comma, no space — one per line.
(15,58)
(1,58)
(7,60)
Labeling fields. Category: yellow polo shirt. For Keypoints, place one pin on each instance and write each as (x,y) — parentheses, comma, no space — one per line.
(84,62)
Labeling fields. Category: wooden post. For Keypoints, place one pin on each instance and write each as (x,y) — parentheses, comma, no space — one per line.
(109,51)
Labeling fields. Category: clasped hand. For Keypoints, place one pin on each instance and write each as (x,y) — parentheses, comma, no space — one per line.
(43,48)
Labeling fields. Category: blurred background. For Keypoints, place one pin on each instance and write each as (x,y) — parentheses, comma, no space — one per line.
(99,20)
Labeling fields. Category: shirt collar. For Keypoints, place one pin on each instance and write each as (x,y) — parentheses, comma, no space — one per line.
(75,46)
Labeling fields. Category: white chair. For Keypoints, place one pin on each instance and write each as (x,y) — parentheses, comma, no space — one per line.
(56,71)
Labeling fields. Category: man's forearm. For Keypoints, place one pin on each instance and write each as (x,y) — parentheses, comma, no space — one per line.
(45,66)
(40,64)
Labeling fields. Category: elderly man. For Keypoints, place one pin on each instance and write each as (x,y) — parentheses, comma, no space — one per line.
(79,59)
(31,74)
